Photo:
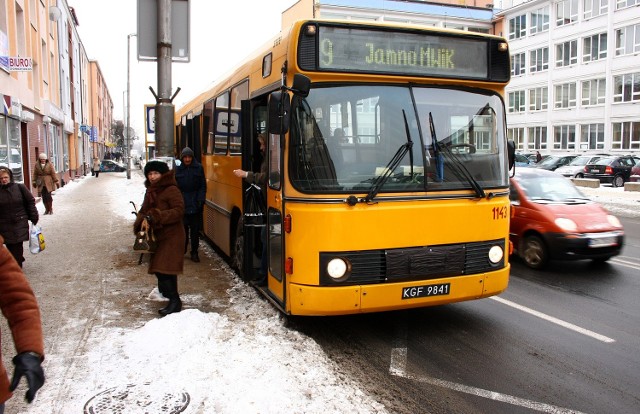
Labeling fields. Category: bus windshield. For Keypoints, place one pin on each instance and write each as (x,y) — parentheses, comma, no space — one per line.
(344,138)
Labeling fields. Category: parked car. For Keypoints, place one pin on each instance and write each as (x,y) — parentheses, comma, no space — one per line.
(533,156)
(552,162)
(614,170)
(552,219)
(522,161)
(575,169)
(13,161)
(635,174)
(111,166)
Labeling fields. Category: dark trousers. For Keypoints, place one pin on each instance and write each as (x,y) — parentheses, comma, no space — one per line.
(95,173)
(17,251)
(192,231)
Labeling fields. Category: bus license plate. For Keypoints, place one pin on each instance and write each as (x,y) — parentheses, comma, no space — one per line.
(426,291)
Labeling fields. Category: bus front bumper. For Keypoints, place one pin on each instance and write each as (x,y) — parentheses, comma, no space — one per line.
(336,300)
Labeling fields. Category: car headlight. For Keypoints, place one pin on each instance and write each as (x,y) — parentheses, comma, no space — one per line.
(337,268)
(495,254)
(566,224)
(613,220)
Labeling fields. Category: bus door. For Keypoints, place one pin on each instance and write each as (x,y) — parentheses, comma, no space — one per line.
(248,233)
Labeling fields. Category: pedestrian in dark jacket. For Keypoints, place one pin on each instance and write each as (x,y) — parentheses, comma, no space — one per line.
(20,308)
(45,180)
(17,208)
(162,211)
(192,184)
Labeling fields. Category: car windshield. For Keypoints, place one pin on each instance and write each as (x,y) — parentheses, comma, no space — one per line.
(343,139)
(604,161)
(549,188)
(581,160)
(550,160)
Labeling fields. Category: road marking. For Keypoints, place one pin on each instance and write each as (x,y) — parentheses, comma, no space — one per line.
(398,368)
(623,262)
(557,321)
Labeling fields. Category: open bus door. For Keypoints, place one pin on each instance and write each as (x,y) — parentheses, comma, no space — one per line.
(248,245)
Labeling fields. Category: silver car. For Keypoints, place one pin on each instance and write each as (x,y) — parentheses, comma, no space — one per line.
(575,169)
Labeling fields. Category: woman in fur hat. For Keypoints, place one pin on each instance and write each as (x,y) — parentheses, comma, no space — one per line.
(162,211)
(45,180)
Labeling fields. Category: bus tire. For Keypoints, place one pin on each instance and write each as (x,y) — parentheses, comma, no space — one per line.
(237,255)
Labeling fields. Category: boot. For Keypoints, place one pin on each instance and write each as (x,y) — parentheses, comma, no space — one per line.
(164,285)
(175,304)
(194,257)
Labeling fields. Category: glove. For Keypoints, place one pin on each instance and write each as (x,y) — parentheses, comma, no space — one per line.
(28,365)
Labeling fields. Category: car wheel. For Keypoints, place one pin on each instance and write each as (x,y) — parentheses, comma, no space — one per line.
(618,181)
(579,175)
(534,252)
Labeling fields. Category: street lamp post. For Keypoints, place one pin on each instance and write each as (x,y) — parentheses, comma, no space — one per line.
(127,156)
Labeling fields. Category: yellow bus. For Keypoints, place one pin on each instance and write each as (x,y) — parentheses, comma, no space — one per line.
(387,159)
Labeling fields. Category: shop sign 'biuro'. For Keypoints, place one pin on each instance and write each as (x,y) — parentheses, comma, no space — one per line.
(16,63)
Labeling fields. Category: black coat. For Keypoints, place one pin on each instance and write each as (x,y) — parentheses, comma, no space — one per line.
(192,184)
(17,208)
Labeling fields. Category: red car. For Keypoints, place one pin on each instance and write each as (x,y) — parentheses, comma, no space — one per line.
(552,219)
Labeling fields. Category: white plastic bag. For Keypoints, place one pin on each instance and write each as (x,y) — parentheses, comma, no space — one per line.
(36,239)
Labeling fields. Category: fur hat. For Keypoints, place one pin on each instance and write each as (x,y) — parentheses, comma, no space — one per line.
(186,152)
(158,166)
(42,156)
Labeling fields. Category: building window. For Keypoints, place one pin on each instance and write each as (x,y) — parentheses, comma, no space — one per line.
(566,12)
(594,47)
(567,53)
(516,101)
(626,88)
(594,92)
(537,138)
(518,65)
(564,137)
(538,99)
(592,136)
(628,40)
(593,8)
(517,136)
(539,20)
(539,60)
(518,27)
(626,136)
(565,95)
(621,4)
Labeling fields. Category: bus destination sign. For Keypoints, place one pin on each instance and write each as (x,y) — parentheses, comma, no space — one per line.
(377,51)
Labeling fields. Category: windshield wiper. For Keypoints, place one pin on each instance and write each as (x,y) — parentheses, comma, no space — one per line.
(458,166)
(393,164)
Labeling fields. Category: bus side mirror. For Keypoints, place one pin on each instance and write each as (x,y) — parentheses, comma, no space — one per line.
(301,85)
(511,150)
(279,113)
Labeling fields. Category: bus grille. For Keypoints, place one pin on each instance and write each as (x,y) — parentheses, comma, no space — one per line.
(413,263)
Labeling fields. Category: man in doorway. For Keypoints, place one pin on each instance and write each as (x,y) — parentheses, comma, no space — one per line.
(192,184)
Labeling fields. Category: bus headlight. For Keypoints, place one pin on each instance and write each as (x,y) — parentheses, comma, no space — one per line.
(495,254)
(337,268)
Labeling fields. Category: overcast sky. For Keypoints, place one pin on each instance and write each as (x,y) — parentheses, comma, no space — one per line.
(222,34)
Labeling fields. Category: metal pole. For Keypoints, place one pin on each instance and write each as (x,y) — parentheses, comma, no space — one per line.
(127,139)
(164,108)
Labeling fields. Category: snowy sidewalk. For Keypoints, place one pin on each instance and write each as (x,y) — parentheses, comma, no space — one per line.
(107,349)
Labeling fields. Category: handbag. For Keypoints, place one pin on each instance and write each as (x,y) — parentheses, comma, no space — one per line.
(36,239)
(38,182)
(145,242)
(254,207)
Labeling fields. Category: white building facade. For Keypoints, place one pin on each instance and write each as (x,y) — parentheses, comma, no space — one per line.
(575,84)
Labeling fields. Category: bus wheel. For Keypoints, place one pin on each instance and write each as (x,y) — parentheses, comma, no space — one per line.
(237,256)
(534,252)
